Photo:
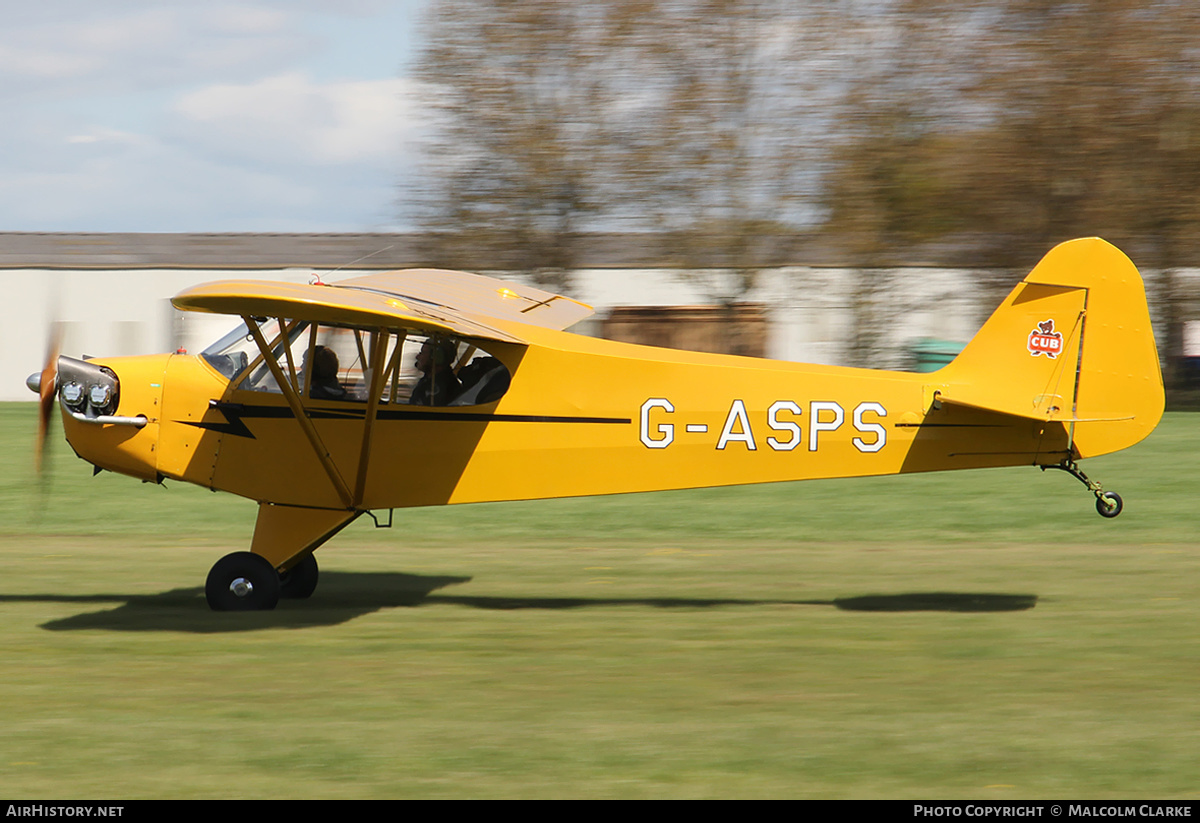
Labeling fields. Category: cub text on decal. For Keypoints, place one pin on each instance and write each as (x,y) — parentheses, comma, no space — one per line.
(1045,340)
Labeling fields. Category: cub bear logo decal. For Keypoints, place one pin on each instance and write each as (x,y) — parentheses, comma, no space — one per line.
(1045,340)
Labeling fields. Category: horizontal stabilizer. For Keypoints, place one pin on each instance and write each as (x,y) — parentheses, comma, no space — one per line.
(1036,415)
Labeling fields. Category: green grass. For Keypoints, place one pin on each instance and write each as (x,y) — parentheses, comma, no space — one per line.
(963,635)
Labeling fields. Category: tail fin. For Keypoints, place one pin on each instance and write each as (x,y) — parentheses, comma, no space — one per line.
(1072,343)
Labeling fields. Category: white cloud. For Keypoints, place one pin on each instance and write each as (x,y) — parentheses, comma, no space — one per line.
(105,48)
(36,63)
(290,118)
(101,135)
(131,183)
(263,115)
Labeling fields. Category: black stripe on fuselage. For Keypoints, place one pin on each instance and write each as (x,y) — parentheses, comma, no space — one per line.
(236,413)
(950,425)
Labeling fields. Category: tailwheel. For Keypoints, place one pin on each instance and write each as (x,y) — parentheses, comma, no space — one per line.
(300,581)
(1109,504)
(242,582)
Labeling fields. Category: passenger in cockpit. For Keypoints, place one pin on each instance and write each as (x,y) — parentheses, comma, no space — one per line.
(438,385)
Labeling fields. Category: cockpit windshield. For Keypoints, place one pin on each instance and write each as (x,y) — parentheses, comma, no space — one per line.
(232,353)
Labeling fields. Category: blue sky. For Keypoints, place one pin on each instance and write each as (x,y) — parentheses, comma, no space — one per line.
(264,115)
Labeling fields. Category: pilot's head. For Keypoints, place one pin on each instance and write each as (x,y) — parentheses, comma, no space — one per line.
(325,364)
(436,353)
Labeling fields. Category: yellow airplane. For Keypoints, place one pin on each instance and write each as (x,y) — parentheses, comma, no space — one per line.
(427,387)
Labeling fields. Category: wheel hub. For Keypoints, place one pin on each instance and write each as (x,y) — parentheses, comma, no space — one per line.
(241,587)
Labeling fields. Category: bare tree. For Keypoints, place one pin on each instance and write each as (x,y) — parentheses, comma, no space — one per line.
(516,98)
(728,128)
(1080,121)
(696,120)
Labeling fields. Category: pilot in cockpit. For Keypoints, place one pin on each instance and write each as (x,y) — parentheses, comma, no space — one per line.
(324,385)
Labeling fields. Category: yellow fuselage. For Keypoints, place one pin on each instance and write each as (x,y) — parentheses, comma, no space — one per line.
(582,417)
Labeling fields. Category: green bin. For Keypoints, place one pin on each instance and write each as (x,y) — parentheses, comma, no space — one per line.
(930,354)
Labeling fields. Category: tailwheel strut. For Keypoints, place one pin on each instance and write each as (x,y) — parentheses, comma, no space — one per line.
(1108,504)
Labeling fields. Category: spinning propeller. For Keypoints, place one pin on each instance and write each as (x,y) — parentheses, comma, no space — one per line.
(45,383)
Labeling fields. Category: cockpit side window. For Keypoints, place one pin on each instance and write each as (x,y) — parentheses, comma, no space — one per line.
(325,362)
(438,370)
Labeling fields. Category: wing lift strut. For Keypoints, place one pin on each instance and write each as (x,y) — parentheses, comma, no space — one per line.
(280,562)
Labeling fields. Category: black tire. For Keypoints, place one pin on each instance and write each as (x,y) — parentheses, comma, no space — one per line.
(242,582)
(1109,504)
(300,581)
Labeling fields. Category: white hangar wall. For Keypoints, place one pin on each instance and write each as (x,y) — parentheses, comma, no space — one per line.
(810,309)
(112,292)
(127,312)
(106,313)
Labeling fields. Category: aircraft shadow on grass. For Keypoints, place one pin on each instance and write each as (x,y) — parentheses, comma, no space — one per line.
(344,596)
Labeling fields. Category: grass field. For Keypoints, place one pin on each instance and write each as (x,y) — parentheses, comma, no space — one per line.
(966,635)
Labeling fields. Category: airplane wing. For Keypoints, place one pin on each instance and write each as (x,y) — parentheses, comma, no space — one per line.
(457,303)
(473,295)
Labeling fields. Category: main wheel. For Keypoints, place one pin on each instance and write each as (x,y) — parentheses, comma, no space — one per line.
(1109,504)
(242,582)
(300,581)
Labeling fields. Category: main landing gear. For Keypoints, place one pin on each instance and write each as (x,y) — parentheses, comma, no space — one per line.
(1108,504)
(245,581)
(300,581)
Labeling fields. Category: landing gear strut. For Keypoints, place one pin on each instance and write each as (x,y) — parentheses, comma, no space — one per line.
(1108,504)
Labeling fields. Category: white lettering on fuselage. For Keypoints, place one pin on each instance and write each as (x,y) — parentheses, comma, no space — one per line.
(657,429)
(737,418)
(665,431)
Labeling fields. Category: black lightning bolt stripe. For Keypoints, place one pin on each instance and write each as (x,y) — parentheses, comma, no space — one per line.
(236,413)
(482,417)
